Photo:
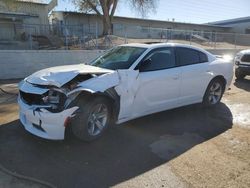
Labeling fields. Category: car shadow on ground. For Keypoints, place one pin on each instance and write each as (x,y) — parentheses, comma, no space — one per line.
(124,152)
(243,84)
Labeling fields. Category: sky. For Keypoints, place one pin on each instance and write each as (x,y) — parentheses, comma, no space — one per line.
(189,11)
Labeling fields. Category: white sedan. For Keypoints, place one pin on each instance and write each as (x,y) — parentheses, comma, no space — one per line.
(127,82)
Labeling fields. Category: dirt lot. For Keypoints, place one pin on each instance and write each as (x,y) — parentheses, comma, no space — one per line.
(184,147)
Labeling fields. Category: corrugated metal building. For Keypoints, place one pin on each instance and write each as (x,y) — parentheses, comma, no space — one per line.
(238,25)
(14,16)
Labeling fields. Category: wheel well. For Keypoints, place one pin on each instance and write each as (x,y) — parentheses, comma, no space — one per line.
(222,79)
(219,77)
(109,94)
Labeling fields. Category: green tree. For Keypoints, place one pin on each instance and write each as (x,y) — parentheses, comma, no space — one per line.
(105,9)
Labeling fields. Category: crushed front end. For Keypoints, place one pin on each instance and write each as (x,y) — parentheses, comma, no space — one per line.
(44,110)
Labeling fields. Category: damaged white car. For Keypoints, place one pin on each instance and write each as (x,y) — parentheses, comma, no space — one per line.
(127,82)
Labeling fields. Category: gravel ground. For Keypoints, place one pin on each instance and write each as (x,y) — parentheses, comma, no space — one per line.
(185,147)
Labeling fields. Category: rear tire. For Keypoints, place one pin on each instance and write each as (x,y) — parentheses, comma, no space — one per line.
(239,75)
(214,93)
(93,118)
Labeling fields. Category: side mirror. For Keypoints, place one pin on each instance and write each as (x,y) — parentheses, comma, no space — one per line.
(143,65)
(147,61)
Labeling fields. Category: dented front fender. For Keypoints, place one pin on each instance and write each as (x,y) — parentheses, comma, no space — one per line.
(124,82)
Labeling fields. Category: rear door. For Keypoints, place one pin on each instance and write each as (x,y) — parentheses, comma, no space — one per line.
(195,74)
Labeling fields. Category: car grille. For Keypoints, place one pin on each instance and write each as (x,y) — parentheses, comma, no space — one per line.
(245,58)
(30,98)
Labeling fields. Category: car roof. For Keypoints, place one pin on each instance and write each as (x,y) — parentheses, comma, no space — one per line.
(159,45)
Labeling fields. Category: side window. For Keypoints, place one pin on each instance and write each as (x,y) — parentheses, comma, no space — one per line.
(203,57)
(158,59)
(188,56)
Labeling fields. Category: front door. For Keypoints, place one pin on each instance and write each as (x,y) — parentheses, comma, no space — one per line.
(158,83)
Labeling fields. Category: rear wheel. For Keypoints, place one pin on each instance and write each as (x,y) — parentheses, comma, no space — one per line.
(239,75)
(214,92)
(93,118)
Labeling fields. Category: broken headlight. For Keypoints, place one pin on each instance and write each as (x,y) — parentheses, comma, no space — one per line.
(56,98)
(52,97)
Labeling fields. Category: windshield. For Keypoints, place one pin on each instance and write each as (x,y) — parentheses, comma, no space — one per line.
(121,57)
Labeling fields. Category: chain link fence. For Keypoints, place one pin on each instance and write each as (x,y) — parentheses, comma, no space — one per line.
(14,36)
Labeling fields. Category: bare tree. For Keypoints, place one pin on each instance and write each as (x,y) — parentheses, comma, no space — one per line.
(105,9)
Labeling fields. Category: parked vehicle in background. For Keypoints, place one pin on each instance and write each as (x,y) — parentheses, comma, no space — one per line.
(127,82)
(242,62)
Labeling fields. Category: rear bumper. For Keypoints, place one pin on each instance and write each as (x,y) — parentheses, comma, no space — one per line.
(43,123)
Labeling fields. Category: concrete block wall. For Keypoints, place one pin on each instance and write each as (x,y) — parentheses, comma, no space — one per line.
(21,63)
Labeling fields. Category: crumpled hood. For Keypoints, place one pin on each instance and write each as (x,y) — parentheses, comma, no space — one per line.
(60,75)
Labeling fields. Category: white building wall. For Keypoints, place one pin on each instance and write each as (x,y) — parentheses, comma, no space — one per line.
(41,10)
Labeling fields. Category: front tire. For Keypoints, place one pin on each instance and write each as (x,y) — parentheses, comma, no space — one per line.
(214,92)
(93,118)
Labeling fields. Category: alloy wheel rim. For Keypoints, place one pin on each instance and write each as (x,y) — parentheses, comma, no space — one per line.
(97,119)
(215,93)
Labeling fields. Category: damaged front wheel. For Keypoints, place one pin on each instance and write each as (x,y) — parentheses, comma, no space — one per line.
(93,118)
